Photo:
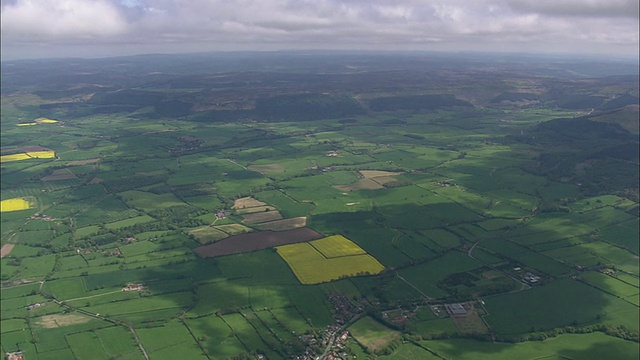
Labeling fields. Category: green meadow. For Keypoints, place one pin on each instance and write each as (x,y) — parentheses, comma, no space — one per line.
(495,185)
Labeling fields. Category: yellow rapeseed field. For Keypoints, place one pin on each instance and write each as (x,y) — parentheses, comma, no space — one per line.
(41,120)
(336,246)
(313,267)
(14,204)
(47,154)
(14,157)
(44,120)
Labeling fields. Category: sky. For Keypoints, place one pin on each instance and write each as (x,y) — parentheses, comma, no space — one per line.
(102,28)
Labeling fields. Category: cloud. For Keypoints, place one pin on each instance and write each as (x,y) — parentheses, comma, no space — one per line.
(579,8)
(204,25)
(39,20)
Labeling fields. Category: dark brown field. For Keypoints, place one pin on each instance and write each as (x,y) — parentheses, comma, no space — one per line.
(25,149)
(256,241)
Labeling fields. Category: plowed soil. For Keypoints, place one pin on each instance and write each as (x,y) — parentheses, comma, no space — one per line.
(256,241)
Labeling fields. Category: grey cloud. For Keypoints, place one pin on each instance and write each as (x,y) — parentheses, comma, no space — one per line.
(579,8)
(175,25)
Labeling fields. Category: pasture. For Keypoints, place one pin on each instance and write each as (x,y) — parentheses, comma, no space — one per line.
(129,222)
(287,206)
(170,334)
(86,231)
(613,286)
(217,339)
(207,234)
(149,201)
(372,335)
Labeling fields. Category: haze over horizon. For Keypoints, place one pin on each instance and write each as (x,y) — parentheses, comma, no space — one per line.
(103,28)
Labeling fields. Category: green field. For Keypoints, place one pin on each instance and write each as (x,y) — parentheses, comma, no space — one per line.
(509,186)
(129,222)
(426,276)
(562,302)
(584,346)
(372,335)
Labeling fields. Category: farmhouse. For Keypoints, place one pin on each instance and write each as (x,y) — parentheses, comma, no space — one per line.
(35,306)
(222,214)
(133,287)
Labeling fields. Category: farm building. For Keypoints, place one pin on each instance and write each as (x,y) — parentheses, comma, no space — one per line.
(456,309)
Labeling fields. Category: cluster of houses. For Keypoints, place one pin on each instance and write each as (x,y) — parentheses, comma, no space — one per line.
(343,309)
(337,351)
(43,217)
(334,336)
(16,355)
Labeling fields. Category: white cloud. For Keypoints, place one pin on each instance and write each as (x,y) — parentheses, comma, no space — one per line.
(39,20)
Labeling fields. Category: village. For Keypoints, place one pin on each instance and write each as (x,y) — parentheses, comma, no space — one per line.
(332,342)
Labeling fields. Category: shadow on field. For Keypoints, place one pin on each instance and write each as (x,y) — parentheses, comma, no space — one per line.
(242,302)
(616,349)
(563,298)
(584,347)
